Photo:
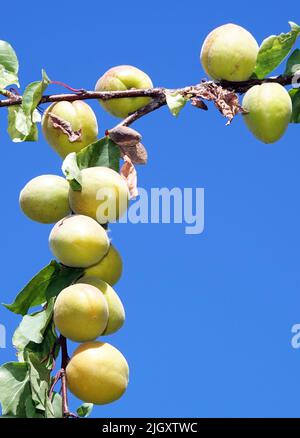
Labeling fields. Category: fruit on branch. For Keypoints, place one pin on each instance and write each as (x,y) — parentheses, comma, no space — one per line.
(124,77)
(69,126)
(97,373)
(116,312)
(81,312)
(269,108)
(104,195)
(229,52)
(78,241)
(109,269)
(45,199)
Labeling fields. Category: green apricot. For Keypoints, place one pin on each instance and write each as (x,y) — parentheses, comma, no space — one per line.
(81,131)
(109,269)
(78,241)
(45,199)
(229,52)
(123,77)
(81,312)
(104,195)
(116,312)
(269,109)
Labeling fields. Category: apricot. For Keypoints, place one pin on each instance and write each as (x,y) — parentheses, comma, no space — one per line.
(104,195)
(109,269)
(229,52)
(269,108)
(81,128)
(116,312)
(78,241)
(81,312)
(45,199)
(123,77)
(97,373)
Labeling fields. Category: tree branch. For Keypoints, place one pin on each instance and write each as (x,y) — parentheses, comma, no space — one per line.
(157,94)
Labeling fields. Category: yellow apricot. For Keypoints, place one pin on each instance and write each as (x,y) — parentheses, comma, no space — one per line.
(97,373)
(104,195)
(109,269)
(81,312)
(116,312)
(78,241)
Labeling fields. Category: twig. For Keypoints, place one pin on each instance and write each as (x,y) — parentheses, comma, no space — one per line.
(55,380)
(61,375)
(64,391)
(152,106)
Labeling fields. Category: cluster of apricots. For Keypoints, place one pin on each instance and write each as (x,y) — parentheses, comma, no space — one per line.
(97,371)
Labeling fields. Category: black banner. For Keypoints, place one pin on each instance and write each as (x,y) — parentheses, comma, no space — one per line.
(151,426)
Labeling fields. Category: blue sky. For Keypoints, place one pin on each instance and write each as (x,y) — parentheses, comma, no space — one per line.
(209,316)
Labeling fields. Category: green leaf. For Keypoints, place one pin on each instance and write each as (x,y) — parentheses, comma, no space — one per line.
(14,388)
(32,327)
(72,172)
(46,284)
(54,407)
(295,96)
(103,152)
(85,410)
(22,118)
(31,412)
(47,351)
(293,63)
(20,126)
(9,65)
(33,94)
(175,102)
(39,377)
(274,49)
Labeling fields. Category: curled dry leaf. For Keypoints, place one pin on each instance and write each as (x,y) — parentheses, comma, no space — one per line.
(225,100)
(137,154)
(128,172)
(65,127)
(198,103)
(124,136)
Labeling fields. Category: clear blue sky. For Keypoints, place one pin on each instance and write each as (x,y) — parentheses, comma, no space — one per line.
(209,317)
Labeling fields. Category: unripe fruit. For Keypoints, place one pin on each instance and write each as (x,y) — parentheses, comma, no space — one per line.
(124,77)
(116,312)
(45,199)
(104,195)
(78,241)
(82,126)
(81,312)
(229,52)
(109,269)
(269,108)
(97,373)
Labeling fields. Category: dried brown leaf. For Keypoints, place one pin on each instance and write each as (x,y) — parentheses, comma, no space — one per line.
(65,127)
(124,136)
(225,100)
(198,103)
(128,172)
(137,154)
